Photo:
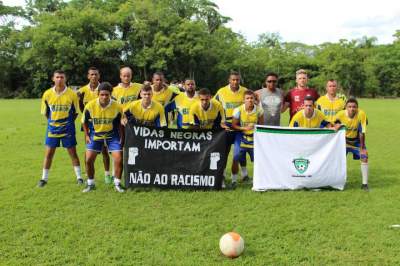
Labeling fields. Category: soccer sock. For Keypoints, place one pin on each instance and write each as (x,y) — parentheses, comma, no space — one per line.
(106,173)
(117,181)
(77,170)
(112,165)
(45,174)
(90,181)
(243,170)
(364,173)
(234,177)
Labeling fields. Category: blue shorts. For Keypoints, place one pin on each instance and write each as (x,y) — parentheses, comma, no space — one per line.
(356,153)
(111,144)
(354,148)
(67,141)
(240,154)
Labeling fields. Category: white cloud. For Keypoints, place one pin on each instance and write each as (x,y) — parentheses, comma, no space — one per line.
(313,21)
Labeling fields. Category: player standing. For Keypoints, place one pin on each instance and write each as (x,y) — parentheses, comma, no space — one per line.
(232,96)
(101,122)
(295,97)
(86,94)
(126,91)
(60,106)
(330,104)
(271,100)
(244,119)
(183,102)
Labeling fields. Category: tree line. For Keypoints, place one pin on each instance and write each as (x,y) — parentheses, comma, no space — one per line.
(182,38)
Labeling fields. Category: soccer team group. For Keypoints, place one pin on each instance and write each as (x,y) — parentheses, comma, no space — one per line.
(107,109)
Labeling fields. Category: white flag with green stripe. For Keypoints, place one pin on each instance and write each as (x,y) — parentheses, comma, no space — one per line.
(295,158)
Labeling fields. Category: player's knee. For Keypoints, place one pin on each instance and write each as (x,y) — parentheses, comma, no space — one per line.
(49,154)
(89,159)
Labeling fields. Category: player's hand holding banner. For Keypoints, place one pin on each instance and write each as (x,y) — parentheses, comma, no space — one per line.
(288,158)
(173,158)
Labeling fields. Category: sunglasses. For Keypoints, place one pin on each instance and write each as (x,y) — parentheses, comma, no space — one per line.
(272,81)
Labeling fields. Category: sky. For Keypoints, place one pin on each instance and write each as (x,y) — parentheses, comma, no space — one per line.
(314,21)
(309,21)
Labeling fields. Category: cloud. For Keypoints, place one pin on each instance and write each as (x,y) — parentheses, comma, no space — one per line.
(372,22)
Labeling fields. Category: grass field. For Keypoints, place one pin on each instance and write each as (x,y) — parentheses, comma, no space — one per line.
(59,225)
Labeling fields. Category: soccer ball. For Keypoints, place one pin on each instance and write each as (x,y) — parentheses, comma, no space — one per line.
(302,167)
(231,245)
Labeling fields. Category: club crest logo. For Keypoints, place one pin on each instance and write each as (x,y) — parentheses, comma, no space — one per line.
(301,165)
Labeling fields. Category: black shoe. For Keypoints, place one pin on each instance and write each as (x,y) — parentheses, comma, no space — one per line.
(245,179)
(80,181)
(42,183)
(233,185)
(365,187)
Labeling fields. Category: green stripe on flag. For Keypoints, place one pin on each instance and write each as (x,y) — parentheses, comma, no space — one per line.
(295,131)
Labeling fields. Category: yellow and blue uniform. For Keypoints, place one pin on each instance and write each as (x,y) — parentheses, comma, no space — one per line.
(354,127)
(164,96)
(230,100)
(61,111)
(182,104)
(207,119)
(151,116)
(103,125)
(364,120)
(88,94)
(245,143)
(124,96)
(330,108)
(317,120)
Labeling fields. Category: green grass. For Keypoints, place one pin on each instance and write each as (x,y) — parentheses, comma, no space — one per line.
(59,225)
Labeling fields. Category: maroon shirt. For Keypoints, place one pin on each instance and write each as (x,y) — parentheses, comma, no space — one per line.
(295,98)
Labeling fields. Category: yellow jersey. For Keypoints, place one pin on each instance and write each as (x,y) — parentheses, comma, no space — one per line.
(61,109)
(104,122)
(164,96)
(88,94)
(153,115)
(247,119)
(124,96)
(330,108)
(182,104)
(353,125)
(230,100)
(364,120)
(207,119)
(317,120)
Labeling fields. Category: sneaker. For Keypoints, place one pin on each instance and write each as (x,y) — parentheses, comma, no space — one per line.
(108,179)
(223,184)
(245,179)
(89,188)
(119,189)
(42,183)
(80,181)
(365,187)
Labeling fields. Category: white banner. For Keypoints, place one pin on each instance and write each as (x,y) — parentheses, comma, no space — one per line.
(295,158)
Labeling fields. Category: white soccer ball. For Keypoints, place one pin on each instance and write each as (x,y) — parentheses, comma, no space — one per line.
(231,245)
(302,167)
